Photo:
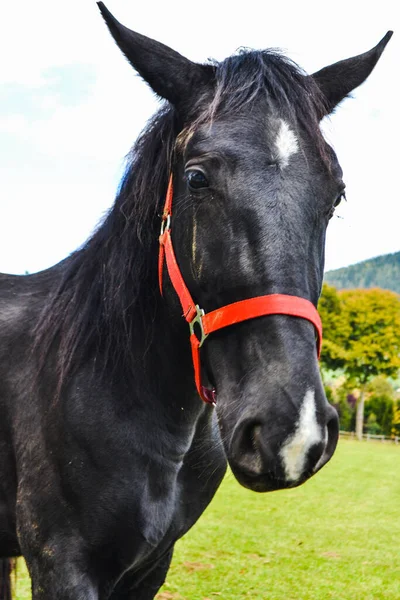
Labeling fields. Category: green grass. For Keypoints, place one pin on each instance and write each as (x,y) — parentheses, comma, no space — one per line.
(337,537)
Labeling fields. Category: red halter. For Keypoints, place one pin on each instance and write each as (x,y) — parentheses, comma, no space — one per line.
(271,304)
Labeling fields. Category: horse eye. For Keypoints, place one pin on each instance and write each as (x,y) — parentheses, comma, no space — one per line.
(196,180)
(342,196)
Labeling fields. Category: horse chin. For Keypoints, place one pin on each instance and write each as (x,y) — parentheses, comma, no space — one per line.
(266,482)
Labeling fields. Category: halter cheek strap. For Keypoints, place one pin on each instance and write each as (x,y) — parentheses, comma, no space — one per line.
(202,324)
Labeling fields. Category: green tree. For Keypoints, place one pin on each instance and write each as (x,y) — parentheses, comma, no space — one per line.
(372,425)
(373,346)
(381,401)
(382,407)
(362,337)
(382,386)
(335,329)
(396,421)
(346,414)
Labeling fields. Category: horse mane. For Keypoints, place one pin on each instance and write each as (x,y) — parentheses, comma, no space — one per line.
(89,312)
(110,283)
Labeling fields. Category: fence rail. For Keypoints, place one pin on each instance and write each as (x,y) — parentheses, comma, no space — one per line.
(369,436)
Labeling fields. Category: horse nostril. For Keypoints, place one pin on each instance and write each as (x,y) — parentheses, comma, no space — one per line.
(253,438)
(246,447)
(315,454)
(331,439)
(332,427)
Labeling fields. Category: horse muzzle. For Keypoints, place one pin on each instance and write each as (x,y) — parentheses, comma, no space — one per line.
(266,456)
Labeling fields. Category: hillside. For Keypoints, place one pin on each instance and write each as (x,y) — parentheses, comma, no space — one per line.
(382,271)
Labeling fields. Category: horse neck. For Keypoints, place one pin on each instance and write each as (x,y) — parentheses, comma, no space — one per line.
(163,349)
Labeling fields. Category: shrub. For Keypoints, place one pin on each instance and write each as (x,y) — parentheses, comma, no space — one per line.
(382,407)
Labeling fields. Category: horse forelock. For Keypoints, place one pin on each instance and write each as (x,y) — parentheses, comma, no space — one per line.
(245,78)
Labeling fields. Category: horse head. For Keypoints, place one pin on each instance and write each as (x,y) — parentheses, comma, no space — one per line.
(255,185)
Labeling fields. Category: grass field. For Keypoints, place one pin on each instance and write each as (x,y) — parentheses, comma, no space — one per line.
(337,537)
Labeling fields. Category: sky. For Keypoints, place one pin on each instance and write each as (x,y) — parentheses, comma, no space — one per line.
(71,107)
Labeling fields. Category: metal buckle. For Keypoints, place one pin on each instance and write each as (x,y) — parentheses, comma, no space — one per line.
(165,224)
(199,321)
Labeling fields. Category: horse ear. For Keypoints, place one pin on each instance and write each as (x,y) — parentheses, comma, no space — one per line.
(169,74)
(339,79)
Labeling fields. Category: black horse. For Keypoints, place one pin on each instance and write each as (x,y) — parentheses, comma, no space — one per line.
(107,453)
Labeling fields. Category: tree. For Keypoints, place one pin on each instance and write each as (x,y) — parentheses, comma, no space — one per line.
(396,421)
(335,329)
(381,402)
(373,426)
(382,407)
(362,337)
(381,386)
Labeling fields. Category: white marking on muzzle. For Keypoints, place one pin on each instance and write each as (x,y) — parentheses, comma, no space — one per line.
(307,433)
(286,144)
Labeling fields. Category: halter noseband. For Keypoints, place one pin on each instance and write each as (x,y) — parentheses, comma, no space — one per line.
(259,306)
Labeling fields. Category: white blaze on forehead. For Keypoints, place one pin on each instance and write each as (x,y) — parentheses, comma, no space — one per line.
(307,433)
(286,144)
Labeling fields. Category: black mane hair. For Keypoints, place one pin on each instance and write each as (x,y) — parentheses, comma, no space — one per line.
(112,277)
(90,311)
